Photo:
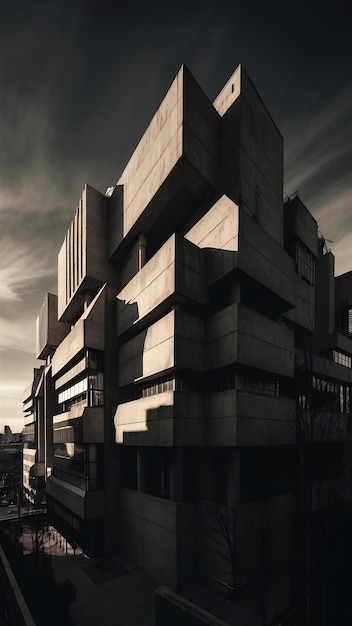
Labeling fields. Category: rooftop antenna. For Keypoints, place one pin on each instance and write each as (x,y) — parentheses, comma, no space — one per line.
(323,241)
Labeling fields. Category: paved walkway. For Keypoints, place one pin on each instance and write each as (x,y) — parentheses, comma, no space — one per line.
(109,591)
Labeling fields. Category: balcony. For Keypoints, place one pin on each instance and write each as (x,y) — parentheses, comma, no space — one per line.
(170,418)
(240,418)
(174,274)
(176,340)
(217,233)
(238,334)
(87,505)
(91,420)
(49,332)
(29,418)
(88,332)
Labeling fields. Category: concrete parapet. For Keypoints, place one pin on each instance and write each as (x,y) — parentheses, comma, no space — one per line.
(17,609)
(173,610)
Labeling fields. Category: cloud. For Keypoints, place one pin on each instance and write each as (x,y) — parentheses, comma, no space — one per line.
(317,149)
(21,268)
(18,333)
(16,375)
(317,163)
(334,219)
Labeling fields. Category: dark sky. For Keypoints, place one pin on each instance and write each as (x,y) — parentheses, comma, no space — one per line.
(81,79)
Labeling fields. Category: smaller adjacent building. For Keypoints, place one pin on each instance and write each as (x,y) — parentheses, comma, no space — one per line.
(39,403)
(33,441)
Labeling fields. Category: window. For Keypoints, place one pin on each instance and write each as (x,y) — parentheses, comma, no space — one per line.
(86,392)
(259,383)
(344,321)
(75,390)
(304,262)
(157,472)
(342,359)
(330,396)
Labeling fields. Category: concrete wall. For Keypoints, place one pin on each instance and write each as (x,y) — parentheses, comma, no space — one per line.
(176,270)
(49,332)
(129,265)
(265,420)
(306,227)
(303,313)
(88,332)
(174,610)
(201,130)
(74,371)
(189,342)
(165,419)
(149,352)
(252,154)
(239,418)
(299,222)
(91,420)
(15,607)
(83,258)
(176,340)
(325,294)
(178,155)
(225,418)
(156,154)
(239,334)
(263,259)
(218,232)
(87,505)
(158,535)
(229,93)
(261,162)
(343,290)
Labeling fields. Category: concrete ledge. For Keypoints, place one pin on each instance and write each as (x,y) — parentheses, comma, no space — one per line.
(173,610)
(21,605)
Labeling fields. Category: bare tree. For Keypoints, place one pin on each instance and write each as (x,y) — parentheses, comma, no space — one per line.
(321,457)
(239,545)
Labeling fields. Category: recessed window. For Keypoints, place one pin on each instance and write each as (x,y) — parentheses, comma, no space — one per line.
(342,359)
(305,262)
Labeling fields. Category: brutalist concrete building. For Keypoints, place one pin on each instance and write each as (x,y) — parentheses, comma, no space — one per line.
(186,294)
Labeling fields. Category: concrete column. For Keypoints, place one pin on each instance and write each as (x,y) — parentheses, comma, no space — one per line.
(87,299)
(235,293)
(140,471)
(142,250)
(176,475)
(233,477)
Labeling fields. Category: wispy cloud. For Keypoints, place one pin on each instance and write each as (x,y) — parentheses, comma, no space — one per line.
(18,334)
(318,159)
(334,216)
(320,145)
(20,268)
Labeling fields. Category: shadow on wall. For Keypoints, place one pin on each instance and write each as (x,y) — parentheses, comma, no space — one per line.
(144,416)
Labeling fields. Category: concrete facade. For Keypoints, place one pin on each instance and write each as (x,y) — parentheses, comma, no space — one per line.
(185,299)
